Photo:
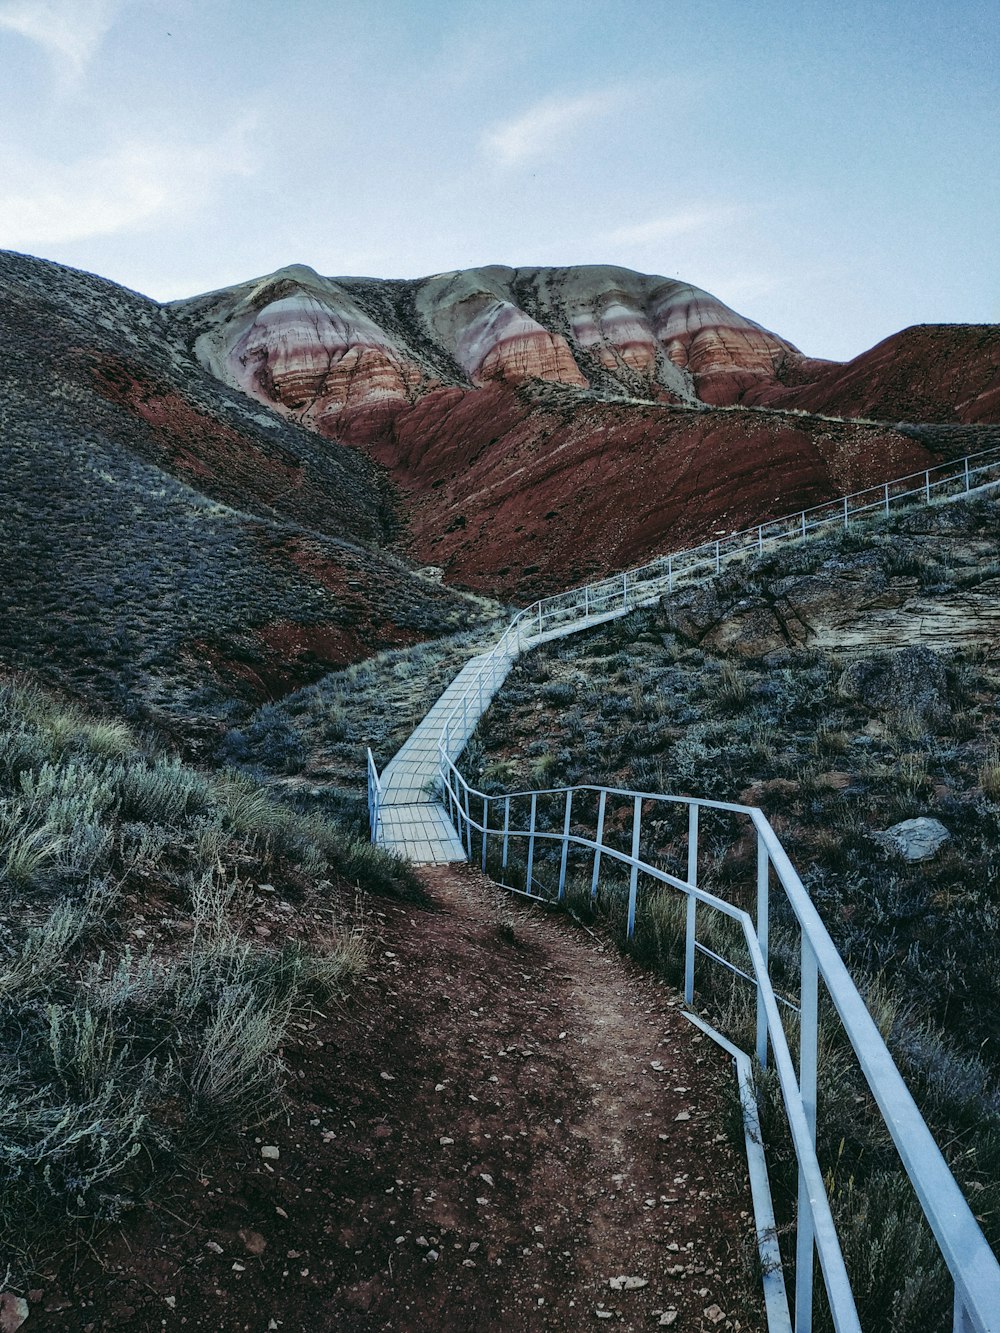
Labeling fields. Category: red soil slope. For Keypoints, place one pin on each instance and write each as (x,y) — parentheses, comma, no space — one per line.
(532,490)
(931,372)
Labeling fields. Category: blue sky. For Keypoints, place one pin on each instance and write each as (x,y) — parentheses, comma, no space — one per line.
(829,170)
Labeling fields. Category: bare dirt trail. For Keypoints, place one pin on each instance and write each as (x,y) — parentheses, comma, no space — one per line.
(505,1115)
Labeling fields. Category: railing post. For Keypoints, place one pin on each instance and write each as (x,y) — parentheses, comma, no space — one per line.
(886,488)
(763,886)
(506,831)
(539,617)
(468,823)
(633,879)
(586,601)
(760,540)
(927,486)
(967,483)
(531,844)
(486,820)
(691,925)
(670,573)
(625,589)
(599,839)
(804,1226)
(803,525)
(846,513)
(565,845)
(718,559)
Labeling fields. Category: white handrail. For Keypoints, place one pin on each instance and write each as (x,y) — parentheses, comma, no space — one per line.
(974,1269)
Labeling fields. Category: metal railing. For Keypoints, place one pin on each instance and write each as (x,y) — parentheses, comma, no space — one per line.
(645,583)
(973,1268)
(374,797)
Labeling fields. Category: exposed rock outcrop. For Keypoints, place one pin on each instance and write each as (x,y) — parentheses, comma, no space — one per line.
(878,600)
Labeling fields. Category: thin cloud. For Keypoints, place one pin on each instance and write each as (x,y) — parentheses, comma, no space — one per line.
(546,125)
(665,228)
(132,186)
(71,31)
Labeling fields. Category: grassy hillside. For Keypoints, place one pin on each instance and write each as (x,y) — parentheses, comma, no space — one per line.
(162,933)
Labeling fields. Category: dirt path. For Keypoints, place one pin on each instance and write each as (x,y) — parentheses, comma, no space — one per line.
(485,1137)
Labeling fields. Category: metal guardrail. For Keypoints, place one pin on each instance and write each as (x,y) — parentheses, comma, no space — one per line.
(974,1270)
(374,797)
(643,584)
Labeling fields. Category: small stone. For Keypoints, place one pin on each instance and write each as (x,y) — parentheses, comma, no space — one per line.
(270,1152)
(13,1312)
(915,839)
(422,1241)
(389,1078)
(433,1256)
(624,1283)
(683,1115)
(484,1175)
(239,1268)
(444,1141)
(281,1213)
(254,1241)
(714,1313)
(214,1246)
(171,1301)
(667,1318)
(603,1314)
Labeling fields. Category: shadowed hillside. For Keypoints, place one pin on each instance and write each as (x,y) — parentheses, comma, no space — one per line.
(165,544)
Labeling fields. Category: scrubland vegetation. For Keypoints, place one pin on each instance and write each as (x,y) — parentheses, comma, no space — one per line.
(833,764)
(143,1000)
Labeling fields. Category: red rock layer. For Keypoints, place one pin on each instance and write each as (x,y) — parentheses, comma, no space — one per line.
(529,492)
(931,372)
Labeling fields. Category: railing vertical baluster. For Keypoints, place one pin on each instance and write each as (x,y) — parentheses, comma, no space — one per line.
(691,923)
(633,879)
(886,488)
(565,843)
(586,601)
(803,524)
(539,617)
(763,887)
(847,518)
(468,822)
(804,1227)
(670,573)
(531,843)
(506,831)
(718,559)
(927,486)
(486,821)
(625,589)
(599,839)
(961,1323)
(760,540)
(967,483)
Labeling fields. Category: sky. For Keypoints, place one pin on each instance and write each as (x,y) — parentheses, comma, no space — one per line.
(831,171)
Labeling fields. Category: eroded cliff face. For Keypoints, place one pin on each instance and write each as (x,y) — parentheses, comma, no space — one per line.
(346,355)
(547,424)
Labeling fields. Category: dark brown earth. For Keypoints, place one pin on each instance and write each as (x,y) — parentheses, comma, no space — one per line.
(503,1116)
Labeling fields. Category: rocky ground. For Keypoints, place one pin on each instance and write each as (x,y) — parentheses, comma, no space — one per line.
(502,1120)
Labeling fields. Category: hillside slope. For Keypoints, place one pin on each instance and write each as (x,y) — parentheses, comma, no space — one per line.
(165,544)
(543,424)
